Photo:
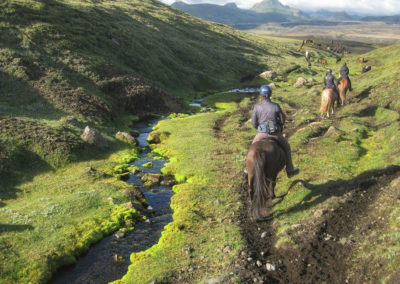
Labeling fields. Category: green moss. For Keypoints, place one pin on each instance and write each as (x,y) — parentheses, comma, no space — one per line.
(148,165)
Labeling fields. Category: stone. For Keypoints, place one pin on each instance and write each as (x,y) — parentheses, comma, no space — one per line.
(334,133)
(259,263)
(264,235)
(311,80)
(156,137)
(272,85)
(119,235)
(301,82)
(93,137)
(111,200)
(168,182)
(270,267)
(153,178)
(249,259)
(126,137)
(395,183)
(269,75)
(134,193)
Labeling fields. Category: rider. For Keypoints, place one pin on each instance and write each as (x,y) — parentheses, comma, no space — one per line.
(330,82)
(344,74)
(269,119)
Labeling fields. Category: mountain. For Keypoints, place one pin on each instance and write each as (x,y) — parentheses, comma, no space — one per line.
(230,14)
(387,19)
(274,6)
(331,15)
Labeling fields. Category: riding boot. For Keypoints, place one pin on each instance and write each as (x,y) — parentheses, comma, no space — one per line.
(350,88)
(288,152)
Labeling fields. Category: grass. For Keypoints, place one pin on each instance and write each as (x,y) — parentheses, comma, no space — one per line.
(362,137)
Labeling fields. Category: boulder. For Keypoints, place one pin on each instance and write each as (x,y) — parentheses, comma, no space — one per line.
(156,137)
(134,194)
(126,137)
(94,137)
(301,82)
(153,178)
(269,75)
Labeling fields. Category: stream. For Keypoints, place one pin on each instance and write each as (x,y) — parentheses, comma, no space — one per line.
(99,265)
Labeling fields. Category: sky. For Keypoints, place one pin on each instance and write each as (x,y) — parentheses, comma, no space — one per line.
(364,7)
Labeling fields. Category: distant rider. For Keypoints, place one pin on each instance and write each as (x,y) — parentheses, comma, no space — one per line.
(269,119)
(344,74)
(330,82)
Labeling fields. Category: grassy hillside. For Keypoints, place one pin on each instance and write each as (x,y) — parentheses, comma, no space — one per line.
(335,222)
(68,64)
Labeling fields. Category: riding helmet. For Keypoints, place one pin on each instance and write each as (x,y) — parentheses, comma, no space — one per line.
(265,91)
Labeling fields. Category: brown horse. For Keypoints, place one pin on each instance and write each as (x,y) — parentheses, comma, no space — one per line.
(328,100)
(264,162)
(344,87)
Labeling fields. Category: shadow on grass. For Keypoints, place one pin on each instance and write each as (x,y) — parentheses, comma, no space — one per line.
(321,192)
(5,228)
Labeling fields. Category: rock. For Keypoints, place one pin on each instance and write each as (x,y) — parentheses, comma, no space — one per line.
(126,137)
(314,91)
(269,75)
(156,137)
(354,130)
(119,235)
(249,259)
(219,279)
(301,82)
(153,178)
(264,235)
(270,267)
(320,212)
(328,237)
(259,263)
(149,208)
(220,220)
(111,200)
(272,85)
(135,194)
(94,137)
(311,80)
(334,133)
(168,182)
(345,241)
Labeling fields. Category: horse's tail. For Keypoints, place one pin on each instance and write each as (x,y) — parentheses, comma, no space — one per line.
(325,101)
(260,183)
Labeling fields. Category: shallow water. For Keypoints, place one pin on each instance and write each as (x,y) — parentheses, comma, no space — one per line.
(99,265)
(244,90)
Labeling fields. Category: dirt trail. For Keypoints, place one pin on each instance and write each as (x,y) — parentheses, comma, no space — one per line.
(324,244)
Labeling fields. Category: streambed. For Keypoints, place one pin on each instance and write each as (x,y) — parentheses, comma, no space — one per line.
(108,260)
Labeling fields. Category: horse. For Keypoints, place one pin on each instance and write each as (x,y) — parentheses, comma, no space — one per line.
(328,99)
(265,160)
(344,87)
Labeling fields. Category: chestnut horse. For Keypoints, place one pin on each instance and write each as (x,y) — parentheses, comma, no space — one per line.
(328,99)
(344,87)
(264,162)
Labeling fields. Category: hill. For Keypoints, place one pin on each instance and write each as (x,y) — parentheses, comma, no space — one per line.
(68,64)
(331,16)
(387,19)
(230,14)
(274,6)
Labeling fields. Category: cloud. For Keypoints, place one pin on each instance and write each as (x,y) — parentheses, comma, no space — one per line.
(370,7)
